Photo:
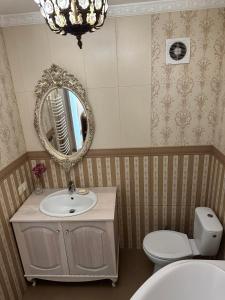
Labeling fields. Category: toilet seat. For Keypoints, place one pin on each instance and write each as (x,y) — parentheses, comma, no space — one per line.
(167,245)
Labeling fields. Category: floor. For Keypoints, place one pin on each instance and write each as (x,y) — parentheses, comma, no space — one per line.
(134,269)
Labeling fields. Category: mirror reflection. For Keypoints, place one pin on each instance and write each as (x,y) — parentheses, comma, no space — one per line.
(64,121)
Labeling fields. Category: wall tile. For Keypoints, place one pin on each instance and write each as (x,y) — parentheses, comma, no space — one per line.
(133,50)
(100,56)
(154,192)
(10,36)
(12,142)
(65,53)
(130,51)
(12,283)
(105,105)
(216,195)
(26,102)
(135,116)
(184,97)
(31,48)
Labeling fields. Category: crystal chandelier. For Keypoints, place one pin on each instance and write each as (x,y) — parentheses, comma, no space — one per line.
(73,16)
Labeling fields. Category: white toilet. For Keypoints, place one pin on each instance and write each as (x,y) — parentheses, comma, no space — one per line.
(166,246)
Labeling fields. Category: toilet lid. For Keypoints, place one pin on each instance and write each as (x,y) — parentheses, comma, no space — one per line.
(167,244)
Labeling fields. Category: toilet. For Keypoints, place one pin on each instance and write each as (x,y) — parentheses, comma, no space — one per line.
(166,246)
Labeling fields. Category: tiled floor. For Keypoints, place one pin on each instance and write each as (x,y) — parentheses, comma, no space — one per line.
(134,269)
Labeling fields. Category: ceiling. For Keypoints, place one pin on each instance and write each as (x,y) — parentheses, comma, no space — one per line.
(25,6)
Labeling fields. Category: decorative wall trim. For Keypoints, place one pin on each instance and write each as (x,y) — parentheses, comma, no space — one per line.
(219,155)
(131,152)
(121,10)
(11,167)
(21,19)
(162,6)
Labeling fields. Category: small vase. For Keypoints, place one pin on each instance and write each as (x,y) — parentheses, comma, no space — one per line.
(38,186)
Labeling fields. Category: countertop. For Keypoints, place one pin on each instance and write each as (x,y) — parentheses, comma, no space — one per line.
(104,210)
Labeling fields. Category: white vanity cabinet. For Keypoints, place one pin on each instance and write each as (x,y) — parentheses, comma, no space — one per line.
(41,247)
(80,248)
(90,248)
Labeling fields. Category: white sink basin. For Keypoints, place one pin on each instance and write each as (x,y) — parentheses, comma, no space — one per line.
(66,204)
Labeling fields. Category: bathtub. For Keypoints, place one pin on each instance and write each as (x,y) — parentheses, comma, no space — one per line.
(186,280)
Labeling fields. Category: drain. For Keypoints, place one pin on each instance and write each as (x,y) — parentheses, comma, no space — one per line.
(71,211)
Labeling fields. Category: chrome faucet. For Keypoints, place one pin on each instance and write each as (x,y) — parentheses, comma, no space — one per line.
(71,187)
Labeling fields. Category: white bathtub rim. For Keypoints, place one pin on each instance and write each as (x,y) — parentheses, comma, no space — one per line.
(220,264)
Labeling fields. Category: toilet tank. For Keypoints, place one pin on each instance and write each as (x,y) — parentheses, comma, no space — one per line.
(207,231)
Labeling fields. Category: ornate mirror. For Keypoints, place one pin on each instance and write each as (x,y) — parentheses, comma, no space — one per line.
(63,117)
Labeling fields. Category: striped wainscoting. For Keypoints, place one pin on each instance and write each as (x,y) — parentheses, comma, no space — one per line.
(12,283)
(216,193)
(157,187)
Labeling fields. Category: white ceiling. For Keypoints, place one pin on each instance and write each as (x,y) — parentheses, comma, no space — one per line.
(25,6)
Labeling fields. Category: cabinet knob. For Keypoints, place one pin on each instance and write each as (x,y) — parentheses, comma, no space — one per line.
(58,231)
(67,231)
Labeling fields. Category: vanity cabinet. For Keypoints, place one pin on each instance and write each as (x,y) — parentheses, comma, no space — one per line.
(80,248)
(41,247)
(90,248)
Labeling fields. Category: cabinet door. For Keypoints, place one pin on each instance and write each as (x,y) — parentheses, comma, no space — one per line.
(90,248)
(42,248)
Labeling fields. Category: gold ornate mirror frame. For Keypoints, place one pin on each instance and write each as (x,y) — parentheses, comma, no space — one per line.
(56,77)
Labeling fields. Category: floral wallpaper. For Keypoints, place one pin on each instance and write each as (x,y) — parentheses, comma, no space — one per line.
(219,101)
(12,143)
(185,97)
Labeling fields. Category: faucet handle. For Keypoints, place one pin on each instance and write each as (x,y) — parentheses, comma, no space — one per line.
(71,186)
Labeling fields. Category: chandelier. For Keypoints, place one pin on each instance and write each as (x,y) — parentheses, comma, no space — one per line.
(73,16)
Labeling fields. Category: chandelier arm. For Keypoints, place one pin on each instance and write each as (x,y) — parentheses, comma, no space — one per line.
(79,42)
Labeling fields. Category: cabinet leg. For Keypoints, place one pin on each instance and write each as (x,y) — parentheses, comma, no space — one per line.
(113,283)
(34,282)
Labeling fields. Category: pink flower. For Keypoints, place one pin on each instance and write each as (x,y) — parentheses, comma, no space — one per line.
(39,169)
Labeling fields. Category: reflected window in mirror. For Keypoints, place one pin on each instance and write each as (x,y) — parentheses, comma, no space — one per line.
(64,121)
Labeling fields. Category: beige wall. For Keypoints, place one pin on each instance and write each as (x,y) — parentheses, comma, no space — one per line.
(115,68)
(176,107)
(12,143)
